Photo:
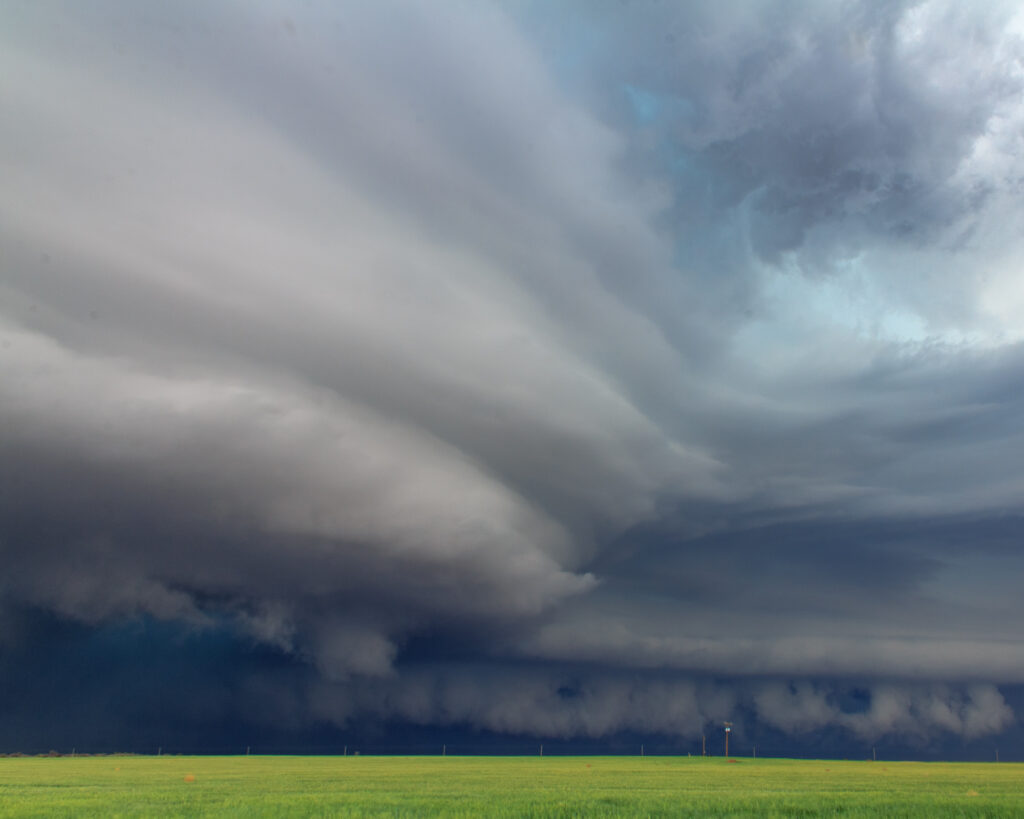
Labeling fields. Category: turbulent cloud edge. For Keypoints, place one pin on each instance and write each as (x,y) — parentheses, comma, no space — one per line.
(593,705)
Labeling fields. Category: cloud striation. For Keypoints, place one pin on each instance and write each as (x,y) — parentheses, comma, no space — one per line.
(552,371)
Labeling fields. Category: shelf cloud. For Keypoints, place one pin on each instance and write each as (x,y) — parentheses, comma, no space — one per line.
(559,371)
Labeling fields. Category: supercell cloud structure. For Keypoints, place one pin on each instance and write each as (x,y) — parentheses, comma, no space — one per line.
(558,370)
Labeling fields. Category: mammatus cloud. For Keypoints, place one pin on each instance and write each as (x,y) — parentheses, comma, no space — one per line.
(390,330)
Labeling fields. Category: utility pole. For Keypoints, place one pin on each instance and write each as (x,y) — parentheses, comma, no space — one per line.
(444,750)
(542,750)
(703,745)
(728,728)
(874,756)
(755,752)
(642,753)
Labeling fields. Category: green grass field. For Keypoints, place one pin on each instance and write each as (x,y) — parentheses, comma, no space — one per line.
(502,786)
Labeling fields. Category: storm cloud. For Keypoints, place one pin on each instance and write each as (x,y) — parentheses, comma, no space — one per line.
(559,371)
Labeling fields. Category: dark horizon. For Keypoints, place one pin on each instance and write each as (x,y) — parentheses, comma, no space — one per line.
(147,657)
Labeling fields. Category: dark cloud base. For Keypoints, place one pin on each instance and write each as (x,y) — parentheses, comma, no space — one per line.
(144,686)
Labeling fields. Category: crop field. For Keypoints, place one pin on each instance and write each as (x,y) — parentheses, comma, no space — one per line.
(502,786)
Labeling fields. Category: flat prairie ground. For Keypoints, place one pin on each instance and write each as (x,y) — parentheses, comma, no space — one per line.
(264,786)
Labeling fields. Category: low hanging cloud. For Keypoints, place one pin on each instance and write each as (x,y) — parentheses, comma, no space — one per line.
(909,711)
(566,705)
(391,331)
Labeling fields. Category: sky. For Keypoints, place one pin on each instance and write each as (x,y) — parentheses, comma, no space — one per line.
(397,373)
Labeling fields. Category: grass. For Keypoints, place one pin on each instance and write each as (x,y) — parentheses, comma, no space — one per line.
(502,786)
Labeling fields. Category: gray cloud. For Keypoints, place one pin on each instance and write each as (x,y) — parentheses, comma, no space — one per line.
(375,328)
(555,704)
(873,142)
